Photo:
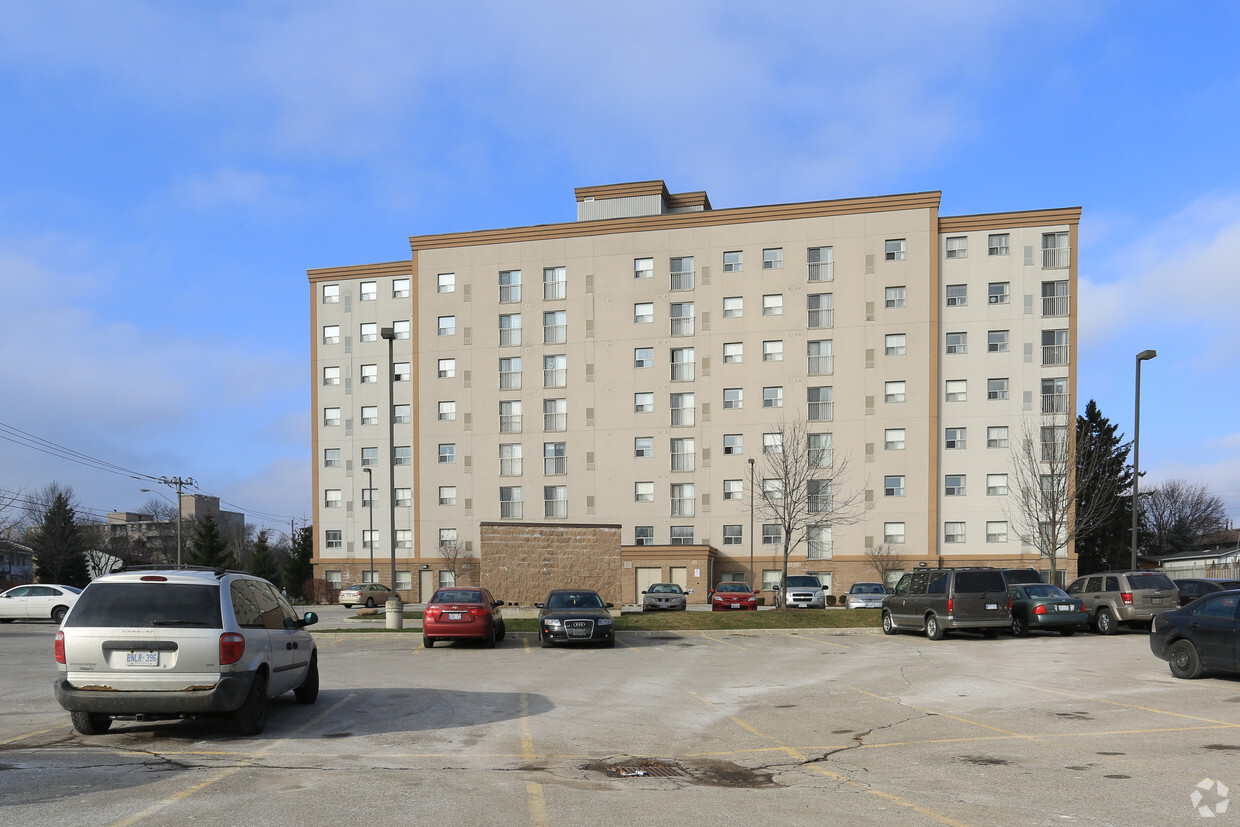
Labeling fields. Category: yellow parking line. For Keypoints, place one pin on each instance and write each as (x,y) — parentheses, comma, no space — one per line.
(1117,703)
(30,735)
(814,639)
(537,801)
(726,643)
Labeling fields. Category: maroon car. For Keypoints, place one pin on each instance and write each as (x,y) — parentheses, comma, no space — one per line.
(462,613)
(733,596)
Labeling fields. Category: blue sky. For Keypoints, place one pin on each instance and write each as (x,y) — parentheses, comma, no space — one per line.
(170,171)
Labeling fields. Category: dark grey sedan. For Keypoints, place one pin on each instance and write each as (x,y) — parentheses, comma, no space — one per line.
(575,616)
(1204,635)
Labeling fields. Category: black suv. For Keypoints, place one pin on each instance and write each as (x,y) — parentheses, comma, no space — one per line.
(939,600)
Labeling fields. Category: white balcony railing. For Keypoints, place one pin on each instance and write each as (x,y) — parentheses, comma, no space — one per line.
(1055,354)
(682,280)
(1055,403)
(1056,258)
(822,271)
(821,365)
(1056,305)
(822,317)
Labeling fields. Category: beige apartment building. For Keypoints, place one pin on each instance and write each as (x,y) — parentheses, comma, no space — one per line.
(623,369)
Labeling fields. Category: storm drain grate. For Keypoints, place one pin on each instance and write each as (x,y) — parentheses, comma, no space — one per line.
(649,771)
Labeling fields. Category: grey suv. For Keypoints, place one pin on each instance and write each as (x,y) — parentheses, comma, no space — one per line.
(153,644)
(1115,597)
(939,600)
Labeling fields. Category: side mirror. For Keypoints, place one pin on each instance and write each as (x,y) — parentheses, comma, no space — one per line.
(539,605)
(643,591)
(609,605)
(309,619)
(498,603)
(759,591)
(690,591)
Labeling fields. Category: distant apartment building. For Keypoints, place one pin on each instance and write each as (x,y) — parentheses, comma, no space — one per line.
(148,537)
(624,368)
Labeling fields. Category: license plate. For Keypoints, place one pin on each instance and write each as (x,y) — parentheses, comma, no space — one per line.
(455,615)
(736,605)
(1157,601)
(801,605)
(990,606)
(142,658)
(1063,607)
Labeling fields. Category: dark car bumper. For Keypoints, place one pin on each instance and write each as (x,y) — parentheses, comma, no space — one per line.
(226,696)
(600,634)
(1058,620)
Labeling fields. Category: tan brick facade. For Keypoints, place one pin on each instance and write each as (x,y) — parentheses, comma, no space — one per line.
(521,562)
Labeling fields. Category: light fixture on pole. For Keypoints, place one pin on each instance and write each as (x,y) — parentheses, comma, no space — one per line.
(370,492)
(177,483)
(751,496)
(395,609)
(1143,356)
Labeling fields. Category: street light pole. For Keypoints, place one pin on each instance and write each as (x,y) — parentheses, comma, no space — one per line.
(395,609)
(751,496)
(177,483)
(1143,356)
(370,489)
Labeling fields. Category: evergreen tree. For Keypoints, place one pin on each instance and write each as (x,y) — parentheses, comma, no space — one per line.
(262,564)
(1102,466)
(58,545)
(207,546)
(299,567)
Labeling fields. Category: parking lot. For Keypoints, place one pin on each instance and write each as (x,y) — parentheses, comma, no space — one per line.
(684,728)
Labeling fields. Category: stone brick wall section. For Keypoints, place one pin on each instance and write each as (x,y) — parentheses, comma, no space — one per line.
(521,562)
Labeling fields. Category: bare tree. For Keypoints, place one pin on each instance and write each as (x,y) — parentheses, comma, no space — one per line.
(1176,508)
(1042,504)
(885,561)
(454,558)
(801,488)
(11,514)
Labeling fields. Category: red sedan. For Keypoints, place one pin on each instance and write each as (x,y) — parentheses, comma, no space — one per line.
(733,596)
(459,613)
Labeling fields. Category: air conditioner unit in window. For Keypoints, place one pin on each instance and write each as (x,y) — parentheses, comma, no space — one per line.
(953,301)
(995,299)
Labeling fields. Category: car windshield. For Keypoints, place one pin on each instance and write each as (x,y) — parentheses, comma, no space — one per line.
(1045,590)
(356,587)
(804,583)
(663,588)
(867,588)
(457,596)
(734,587)
(574,600)
(143,605)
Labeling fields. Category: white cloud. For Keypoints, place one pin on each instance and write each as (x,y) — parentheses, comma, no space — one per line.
(229,186)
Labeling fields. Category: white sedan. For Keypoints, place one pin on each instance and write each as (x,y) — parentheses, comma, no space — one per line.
(41,602)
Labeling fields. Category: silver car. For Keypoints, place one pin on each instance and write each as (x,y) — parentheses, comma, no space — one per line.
(865,596)
(802,591)
(664,596)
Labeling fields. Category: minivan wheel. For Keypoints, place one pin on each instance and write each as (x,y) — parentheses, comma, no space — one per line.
(308,692)
(1184,661)
(90,723)
(889,624)
(1019,627)
(1105,622)
(251,718)
(934,630)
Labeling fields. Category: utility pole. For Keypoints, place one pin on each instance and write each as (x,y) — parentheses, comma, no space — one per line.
(177,483)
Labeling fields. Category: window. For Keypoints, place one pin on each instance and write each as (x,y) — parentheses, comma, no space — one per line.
(893,439)
(447,325)
(997,292)
(404,538)
(555,458)
(957,343)
(370,414)
(510,374)
(733,353)
(996,389)
(447,495)
(821,361)
(820,310)
(733,444)
(370,457)
(331,334)
(682,453)
(953,532)
(893,391)
(821,407)
(404,496)
(643,268)
(894,297)
(997,436)
(954,438)
(555,414)
(401,372)
(773,397)
(334,539)
(331,417)
(369,332)
(733,307)
(510,416)
(771,534)
(400,288)
(819,544)
(401,330)
(733,398)
(643,402)
(510,459)
(1054,442)
(447,411)
(894,249)
(996,531)
(681,273)
(447,453)
(996,485)
(555,501)
(821,263)
(958,247)
(773,351)
(1055,395)
(555,371)
(331,376)
(509,286)
(682,364)
(682,499)
(555,327)
(554,283)
(370,373)
(997,244)
(733,262)
(447,368)
(331,294)
(773,305)
(893,533)
(331,457)
(772,443)
(818,496)
(643,446)
(331,498)
(369,291)
(1055,299)
(643,313)
(1055,348)
(821,451)
(643,535)
(732,490)
(895,344)
(682,318)
(893,486)
(510,502)
(733,535)
(447,578)
(682,409)
(369,497)
(446,283)
(996,341)
(510,330)
(956,390)
(773,258)
(643,357)
(1055,250)
(957,295)
(953,485)
(682,535)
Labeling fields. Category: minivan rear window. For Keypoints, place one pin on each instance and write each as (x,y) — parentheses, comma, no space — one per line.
(980,581)
(1150,580)
(147,605)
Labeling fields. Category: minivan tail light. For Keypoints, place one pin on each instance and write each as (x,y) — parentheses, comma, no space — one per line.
(1126,597)
(951,602)
(232,647)
(60,646)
